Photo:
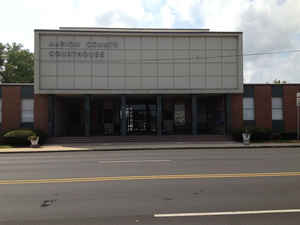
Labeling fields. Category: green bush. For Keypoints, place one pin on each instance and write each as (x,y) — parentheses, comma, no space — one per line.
(261,134)
(237,135)
(19,137)
(257,134)
(42,136)
(288,135)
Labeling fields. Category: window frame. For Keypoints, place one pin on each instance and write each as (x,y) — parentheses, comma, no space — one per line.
(179,113)
(24,119)
(247,108)
(277,108)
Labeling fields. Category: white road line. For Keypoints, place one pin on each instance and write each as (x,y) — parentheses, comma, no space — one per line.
(229,213)
(135,161)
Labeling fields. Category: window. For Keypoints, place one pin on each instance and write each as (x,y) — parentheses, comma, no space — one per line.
(179,114)
(277,109)
(27,110)
(248,108)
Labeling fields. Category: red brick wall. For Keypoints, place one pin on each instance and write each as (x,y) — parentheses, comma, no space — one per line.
(263,106)
(289,107)
(237,111)
(11,107)
(41,112)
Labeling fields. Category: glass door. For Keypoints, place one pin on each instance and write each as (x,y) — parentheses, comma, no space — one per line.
(141,118)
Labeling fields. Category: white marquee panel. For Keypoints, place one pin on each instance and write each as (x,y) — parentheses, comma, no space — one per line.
(91,62)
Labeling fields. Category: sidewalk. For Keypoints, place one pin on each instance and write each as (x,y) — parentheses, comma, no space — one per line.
(146,146)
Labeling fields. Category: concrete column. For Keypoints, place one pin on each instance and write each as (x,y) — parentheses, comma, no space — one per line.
(51,115)
(87,115)
(194,115)
(228,121)
(123,116)
(159,115)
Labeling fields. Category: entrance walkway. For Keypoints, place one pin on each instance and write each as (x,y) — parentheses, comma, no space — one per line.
(140,139)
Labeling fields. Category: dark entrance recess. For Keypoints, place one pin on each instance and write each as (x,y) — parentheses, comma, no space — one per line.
(69,116)
(211,115)
(74,120)
(105,117)
(141,116)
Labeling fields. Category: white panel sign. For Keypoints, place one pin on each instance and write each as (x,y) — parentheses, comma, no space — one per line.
(90,62)
(298,99)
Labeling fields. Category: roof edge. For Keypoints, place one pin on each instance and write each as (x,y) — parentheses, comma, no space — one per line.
(261,84)
(16,84)
(133,30)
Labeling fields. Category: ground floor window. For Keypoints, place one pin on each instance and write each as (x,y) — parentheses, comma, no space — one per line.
(277,113)
(27,110)
(179,114)
(248,108)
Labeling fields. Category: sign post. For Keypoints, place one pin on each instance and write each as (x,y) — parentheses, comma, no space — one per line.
(298,117)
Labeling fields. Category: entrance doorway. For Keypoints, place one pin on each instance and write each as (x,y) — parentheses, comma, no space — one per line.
(69,116)
(141,117)
(75,119)
(211,115)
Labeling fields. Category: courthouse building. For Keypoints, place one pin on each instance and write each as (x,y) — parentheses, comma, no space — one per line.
(106,81)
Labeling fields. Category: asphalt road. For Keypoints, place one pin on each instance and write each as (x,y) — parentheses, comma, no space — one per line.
(138,187)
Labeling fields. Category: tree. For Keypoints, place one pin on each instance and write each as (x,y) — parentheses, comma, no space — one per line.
(279,81)
(16,64)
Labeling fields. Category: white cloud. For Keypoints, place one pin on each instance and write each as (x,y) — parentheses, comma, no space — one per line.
(267,25)
(271,27)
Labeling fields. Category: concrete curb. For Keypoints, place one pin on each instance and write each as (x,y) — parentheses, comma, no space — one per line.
(132,148)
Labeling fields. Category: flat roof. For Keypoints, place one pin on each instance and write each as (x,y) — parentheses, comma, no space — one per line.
(261,84)
(258,84)
(133,30)
(16,84)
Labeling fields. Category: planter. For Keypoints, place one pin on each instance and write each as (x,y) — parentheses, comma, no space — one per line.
(246,138)
(34,142)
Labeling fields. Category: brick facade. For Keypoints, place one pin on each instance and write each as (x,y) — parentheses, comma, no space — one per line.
(41,112)
(263,106)
(289,107)
(11,107)
(237,111)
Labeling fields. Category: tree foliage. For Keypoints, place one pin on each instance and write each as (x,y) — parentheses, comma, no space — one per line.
(16,64)
(279,81)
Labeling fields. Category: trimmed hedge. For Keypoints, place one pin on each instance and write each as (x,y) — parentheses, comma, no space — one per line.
(237,135)
(261,134)
(288,135)
(43,136)
(257,134)
(19,137)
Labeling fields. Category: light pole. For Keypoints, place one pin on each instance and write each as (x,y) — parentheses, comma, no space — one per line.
(298,117)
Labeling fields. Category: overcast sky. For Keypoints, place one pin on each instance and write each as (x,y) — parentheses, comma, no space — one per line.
(268,25)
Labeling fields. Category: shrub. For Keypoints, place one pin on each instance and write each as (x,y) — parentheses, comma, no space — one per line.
(288,135)
(257,134)
(42,136)
(237,135)
(260,134)
(18,137)
(276,136)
